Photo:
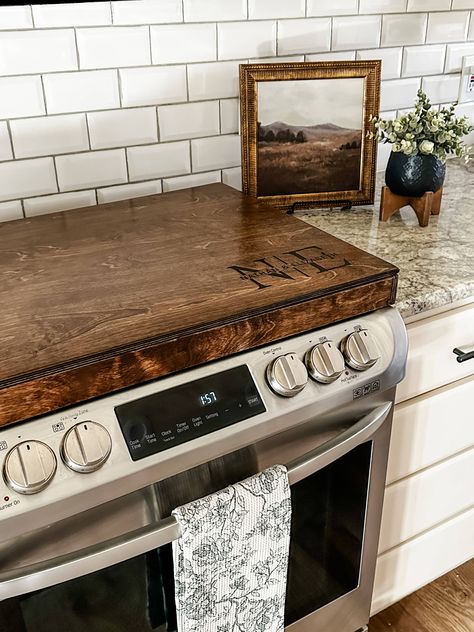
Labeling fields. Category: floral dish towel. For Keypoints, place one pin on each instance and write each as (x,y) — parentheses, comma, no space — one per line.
(231,561)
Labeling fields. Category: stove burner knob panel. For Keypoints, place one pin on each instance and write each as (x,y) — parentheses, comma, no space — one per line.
(86,447)
(29,467)
(360,350)
(325,363)
(287,375)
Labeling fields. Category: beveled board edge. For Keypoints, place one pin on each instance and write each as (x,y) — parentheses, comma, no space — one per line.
(72,385)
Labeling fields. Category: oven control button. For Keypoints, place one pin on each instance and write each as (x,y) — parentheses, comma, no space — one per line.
(287,375)
(29,467)
(86,447)
(325,363)
(360,350)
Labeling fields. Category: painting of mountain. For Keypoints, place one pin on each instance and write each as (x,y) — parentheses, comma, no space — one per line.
(309,136)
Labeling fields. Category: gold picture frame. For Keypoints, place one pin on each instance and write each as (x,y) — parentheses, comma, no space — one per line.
(276,158)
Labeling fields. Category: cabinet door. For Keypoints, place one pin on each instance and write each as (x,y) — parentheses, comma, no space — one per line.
(430,428)
(424,500)
(431,361)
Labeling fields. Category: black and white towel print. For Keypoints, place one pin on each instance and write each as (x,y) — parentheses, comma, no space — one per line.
(232,559)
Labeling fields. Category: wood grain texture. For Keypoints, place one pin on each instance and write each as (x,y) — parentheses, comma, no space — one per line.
(445,605)
(99,299)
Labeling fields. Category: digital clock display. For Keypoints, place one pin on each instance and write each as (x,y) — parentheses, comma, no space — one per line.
(168,418)
(208,398)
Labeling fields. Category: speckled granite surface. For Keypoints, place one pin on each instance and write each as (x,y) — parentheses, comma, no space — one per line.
(437,262)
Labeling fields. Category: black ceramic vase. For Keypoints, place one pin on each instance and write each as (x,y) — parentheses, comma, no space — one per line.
(414,175)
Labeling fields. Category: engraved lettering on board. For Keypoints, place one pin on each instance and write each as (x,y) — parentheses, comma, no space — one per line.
(292,265)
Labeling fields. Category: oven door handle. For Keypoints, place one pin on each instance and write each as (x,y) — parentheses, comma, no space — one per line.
(66,567)
(339,445)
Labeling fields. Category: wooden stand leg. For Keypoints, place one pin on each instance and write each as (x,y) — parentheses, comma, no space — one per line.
(436,203)
(424,206)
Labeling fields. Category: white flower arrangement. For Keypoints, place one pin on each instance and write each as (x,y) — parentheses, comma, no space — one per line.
(425,131)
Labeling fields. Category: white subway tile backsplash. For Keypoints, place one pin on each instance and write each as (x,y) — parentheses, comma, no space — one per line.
(213,81)
(15,18)
(330,7)
(399,93)
(119,128)
(81,91)
(158,161)
(455,54)
(73,14)
(471,27)
(91,169)
(5,145)
(246,39)
(10,210)
(429,5)
(233,177)
(21,96)
(147,11)
(277,60)
(49,135)
(356,32)
(383,154)
(25,178)
(153,86)
(215,153)
(423,60)
(188,120)
(28,52)
(59,202)
(112,47)
(447,27)
(179,43)
(212,11)
(391,60)
(403,30)
(193,180)
(271,9)
(442,89)
(382,6)
(343,55)
(229,116)
(310,35)
(129,191)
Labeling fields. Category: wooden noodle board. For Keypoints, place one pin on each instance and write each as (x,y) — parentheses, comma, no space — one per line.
(99,299)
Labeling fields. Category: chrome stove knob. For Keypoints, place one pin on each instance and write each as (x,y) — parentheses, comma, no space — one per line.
(287,375)
(29,467)
(325,363)
(86,447)
(360,350)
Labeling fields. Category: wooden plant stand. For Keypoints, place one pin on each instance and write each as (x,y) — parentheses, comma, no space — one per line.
(424,206)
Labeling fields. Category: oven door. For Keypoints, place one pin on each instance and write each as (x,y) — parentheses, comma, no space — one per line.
(126,582)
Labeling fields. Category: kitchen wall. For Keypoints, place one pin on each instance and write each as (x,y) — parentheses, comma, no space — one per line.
(110,100)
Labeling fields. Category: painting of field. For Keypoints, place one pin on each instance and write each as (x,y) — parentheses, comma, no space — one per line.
(307,159)
(309,136)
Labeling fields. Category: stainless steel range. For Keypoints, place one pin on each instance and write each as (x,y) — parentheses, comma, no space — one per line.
(86,495)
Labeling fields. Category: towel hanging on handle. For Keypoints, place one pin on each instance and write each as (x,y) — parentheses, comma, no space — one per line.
(231,561)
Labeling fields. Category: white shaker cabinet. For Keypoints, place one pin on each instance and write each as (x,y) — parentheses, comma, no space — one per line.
(428,517)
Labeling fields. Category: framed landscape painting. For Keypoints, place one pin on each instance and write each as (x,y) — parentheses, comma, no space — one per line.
(304,132)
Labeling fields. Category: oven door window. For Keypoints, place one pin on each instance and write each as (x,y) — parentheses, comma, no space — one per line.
(329,510)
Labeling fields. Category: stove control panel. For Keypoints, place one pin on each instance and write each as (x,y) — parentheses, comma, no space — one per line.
(65,462)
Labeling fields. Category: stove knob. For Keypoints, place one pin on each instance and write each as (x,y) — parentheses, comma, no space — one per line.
(325,362)
(360,350)
(86,447)
(287,375)
(29,467)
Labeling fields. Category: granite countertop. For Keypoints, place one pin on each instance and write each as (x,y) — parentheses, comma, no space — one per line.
(437,262)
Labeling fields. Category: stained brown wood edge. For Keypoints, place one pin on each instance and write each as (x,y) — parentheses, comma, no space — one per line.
(251,74)
(71,386)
